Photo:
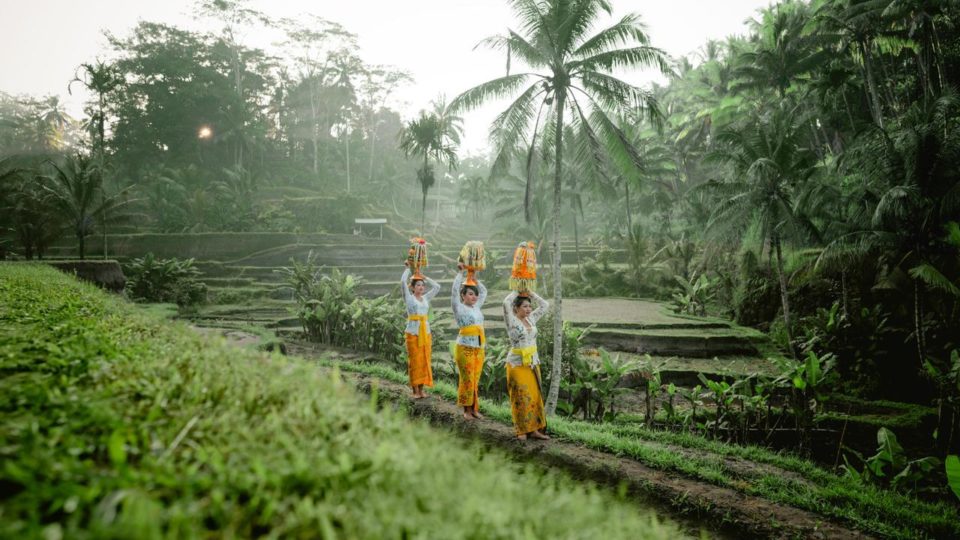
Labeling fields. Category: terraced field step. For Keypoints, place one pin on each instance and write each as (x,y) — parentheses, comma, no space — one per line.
(621,325)
(696,343)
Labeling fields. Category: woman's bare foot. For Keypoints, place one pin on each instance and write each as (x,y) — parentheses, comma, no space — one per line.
(476,414)
(542,436)
(467,416)
(522,437)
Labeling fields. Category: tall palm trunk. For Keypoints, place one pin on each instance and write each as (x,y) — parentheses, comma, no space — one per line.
(314,134)
(423,190)
(918,320)
(785,300)
(373,145)
(626,189)
(103,178)
(556,369)
(348,162)
(872,93)
(576,242)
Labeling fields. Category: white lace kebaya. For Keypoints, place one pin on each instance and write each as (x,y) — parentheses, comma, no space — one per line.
(467,315)
(520,336)
(414,306)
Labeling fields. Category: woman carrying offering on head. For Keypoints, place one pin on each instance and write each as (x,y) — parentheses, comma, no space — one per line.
(467,298)
(523,363)
(419,341)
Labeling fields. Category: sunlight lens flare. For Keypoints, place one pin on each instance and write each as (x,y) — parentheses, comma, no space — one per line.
(205,132)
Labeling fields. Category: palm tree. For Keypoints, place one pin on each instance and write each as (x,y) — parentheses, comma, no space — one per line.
(913,193)
(435,136)
(75,188)
(25,208)
(473,193)
(570,72)
(785,50)
(100,78)
(770,160)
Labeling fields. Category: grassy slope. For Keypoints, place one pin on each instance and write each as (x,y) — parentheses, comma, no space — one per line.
(877,511)
(118,425)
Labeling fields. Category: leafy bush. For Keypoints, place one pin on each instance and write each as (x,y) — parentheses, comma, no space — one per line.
(572,338)
(330,311)
(152,279)
(694,295)
(117,425)
(594,384)
(493,380)
(891,466)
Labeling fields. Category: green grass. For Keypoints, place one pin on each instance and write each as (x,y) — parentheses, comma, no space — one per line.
(889,414)
(704,333)
(159,310)
(866,507)
(120,425)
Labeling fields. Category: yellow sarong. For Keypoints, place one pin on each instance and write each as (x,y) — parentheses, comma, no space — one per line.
(422,333)
(526,401)
(470,367)
(526,354)
(418,363)
(474,330)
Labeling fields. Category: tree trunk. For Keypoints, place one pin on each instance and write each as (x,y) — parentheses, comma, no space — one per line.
(783,295)
(844,294)
(103,174)
(423,212)
(556,368)
(373,144)
(348,162)
(918,320)
(872,93)
(626,189)
(576,242)
(80,239)
(313,131)
(423,188)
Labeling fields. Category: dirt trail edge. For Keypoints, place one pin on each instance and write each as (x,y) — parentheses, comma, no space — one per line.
(747,514)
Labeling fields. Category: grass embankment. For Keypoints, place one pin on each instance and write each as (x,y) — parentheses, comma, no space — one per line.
(116,424)
(806,486)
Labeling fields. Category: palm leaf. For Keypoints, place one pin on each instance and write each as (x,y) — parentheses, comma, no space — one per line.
(496,89)
(934,278)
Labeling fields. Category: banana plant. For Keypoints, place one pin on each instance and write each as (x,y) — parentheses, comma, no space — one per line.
(805,381)
(694,295)
(890,465)
(724,395)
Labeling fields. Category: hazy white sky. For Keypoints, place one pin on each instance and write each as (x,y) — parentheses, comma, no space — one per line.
(43,41)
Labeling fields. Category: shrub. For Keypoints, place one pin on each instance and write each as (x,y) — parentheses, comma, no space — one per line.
(152,279)
(693,295)
(330,311)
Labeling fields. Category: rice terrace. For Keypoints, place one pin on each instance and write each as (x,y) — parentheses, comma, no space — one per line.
(501,269)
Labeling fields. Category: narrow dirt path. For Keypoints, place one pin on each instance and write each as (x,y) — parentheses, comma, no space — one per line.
(746,514)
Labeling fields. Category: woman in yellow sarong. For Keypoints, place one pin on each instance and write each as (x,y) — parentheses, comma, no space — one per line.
(467,301)
(417,298)
(523,364)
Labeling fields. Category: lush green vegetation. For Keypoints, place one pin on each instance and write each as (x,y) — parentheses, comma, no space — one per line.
(117,425)
(874,510)
(802,179)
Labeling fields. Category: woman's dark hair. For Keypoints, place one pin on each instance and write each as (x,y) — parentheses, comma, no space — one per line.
(519,300)
(413,283)
(465,288)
